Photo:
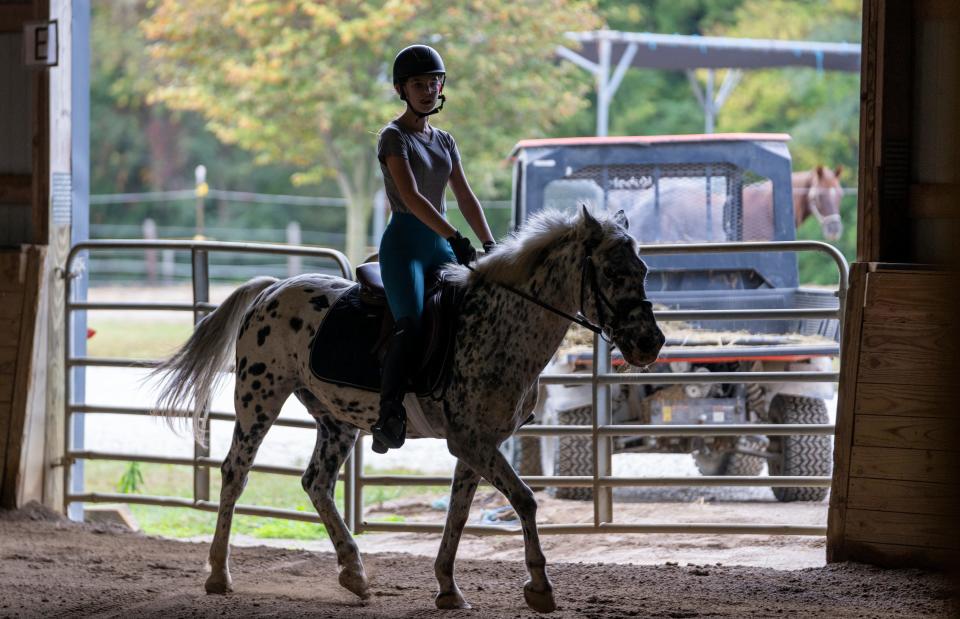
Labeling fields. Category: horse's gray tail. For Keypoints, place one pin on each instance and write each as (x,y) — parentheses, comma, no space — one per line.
(190,377)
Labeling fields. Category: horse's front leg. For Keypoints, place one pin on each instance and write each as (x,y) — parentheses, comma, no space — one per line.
(493,466)
(462,489)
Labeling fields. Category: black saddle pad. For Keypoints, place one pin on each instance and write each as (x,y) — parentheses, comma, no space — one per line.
(344,348)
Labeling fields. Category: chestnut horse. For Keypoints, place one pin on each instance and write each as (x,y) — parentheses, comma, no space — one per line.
(816,193)
(684,218)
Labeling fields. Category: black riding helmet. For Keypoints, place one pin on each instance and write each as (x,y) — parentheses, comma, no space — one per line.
(419,60)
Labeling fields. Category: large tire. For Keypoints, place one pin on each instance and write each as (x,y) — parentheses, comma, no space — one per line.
(574,454)
(711,463)
(799,454)
(527,456)
(728,463)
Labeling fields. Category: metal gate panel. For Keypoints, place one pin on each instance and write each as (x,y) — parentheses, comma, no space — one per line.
(601,429)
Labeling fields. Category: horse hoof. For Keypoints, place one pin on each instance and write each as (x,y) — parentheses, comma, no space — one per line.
(540,601)
(218,585)
(355,581)
(450,600)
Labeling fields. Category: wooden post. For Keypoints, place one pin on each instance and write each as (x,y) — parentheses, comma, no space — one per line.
(846,400)
(49,397)
(294,237)
(168,266)
(150,255)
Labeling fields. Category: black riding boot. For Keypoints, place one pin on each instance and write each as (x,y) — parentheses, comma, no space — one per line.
(390,431)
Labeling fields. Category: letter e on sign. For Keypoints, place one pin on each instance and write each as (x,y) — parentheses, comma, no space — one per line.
(40,44)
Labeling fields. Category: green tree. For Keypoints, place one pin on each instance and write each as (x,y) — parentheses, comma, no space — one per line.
(653,101)
(308,84)
(137,146)
(819,109)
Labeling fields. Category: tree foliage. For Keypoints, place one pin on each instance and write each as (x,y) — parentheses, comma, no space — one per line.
(819,109)
(653,101)
(308,84)
(137,146)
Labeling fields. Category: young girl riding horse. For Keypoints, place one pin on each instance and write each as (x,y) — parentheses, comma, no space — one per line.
(417,161)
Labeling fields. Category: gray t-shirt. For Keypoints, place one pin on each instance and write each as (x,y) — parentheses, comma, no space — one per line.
(431,160)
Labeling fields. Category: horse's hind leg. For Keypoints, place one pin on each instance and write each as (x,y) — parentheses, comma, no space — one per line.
(461,495)
(256,412)
(335,439)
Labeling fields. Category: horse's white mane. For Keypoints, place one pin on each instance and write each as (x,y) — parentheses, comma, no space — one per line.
(513,259)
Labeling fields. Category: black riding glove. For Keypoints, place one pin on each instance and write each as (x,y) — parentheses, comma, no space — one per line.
(488,246)
(462,248)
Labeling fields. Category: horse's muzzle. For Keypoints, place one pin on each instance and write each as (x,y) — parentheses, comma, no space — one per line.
(645,351)
(832,230)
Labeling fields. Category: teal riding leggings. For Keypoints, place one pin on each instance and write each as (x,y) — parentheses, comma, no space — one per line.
(408,251)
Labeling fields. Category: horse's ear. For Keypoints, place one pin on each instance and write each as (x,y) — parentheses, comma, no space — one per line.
(592,224)
(838,170)
(620,218)
(820,172)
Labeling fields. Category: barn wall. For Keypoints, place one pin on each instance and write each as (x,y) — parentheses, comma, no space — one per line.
(22,160)
(35,213)
(19,293)
(896,494)
(16,157)
(897,452)
(934,198)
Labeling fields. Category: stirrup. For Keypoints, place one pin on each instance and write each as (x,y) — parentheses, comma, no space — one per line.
(390,432)
(379,447)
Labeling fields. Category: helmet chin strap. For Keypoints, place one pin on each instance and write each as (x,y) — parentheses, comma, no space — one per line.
(442,98)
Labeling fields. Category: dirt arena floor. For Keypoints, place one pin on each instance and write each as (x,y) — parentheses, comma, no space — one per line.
(51,567)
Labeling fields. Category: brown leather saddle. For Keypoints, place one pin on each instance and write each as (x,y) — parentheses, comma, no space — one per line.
(351,341)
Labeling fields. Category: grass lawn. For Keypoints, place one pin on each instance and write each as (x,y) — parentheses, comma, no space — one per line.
(263,489)
(136,339)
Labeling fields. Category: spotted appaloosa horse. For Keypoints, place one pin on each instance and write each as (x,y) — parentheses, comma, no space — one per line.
(503,343)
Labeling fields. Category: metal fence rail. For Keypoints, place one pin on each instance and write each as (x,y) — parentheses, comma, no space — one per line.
(201,461)
(601,431)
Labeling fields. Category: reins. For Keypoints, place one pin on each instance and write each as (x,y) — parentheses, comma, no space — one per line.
(586,268)
(600,299)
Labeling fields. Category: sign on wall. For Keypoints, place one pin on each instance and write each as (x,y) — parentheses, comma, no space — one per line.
(40,44)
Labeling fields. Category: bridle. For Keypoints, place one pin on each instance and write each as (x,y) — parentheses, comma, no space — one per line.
(588,273)
(588,270)
(815,206)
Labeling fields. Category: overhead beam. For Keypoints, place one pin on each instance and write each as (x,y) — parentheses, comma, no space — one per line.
(597,50)
(679,52)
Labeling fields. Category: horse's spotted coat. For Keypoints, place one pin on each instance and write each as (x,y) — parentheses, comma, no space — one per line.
(503,344)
